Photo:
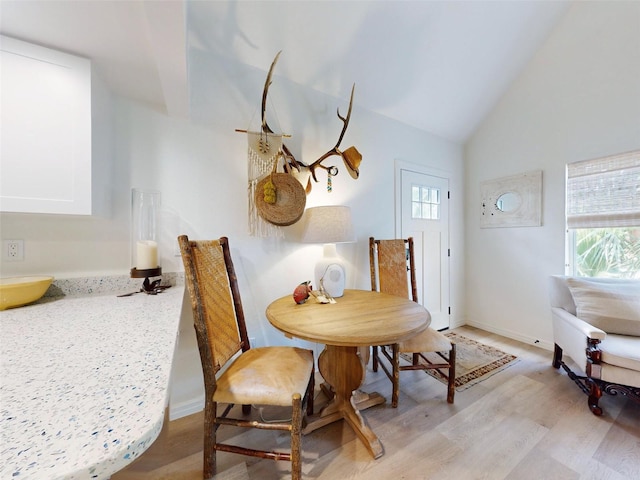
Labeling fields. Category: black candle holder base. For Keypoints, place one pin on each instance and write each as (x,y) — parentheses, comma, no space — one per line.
(146,273)
(149,287)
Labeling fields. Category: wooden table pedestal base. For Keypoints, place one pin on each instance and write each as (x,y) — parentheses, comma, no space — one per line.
(343,369)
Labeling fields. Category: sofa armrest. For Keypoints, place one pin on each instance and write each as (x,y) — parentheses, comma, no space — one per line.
(573,336)
(586,330)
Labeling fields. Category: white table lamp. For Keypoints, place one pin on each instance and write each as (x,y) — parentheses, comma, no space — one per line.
(329,225)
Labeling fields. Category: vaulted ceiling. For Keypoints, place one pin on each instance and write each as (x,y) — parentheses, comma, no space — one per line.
(439,66)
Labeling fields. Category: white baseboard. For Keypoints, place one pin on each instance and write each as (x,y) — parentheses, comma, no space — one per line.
(514,335)
(185,408)
(457,324)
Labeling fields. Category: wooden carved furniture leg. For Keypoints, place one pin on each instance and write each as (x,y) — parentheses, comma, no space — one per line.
(296,433)
(374,358)
(557,356)
(594,370)
(395,382)
(451,385)
(210,428)
(586,384)
(595,392)
(343,370)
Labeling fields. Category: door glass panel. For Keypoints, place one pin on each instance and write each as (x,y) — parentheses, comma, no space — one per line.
(435,195)
(416,210)
(425,202)
(415,193)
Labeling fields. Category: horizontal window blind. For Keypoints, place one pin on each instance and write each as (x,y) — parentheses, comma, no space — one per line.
(604,192)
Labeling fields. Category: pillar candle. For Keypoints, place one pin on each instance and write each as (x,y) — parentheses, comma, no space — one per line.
(147,255)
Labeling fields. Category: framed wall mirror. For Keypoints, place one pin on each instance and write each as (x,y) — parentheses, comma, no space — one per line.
(513,201)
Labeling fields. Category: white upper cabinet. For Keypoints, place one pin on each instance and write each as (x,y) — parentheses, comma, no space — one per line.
(45,104)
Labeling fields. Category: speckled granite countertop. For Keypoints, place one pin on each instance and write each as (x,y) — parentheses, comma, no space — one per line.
(84,381)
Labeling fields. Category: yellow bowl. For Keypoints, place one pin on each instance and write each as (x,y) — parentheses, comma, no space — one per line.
(18,291)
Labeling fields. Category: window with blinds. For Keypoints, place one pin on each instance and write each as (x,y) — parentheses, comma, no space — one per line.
(603,217)
(604,192)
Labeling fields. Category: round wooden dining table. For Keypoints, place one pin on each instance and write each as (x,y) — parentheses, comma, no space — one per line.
(360,318)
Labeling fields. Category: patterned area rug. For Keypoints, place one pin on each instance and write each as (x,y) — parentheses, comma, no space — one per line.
(475,362)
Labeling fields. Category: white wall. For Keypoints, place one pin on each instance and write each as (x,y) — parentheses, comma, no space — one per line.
(579,98)
(200,167)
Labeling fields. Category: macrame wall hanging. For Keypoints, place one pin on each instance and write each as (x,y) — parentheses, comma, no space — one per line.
(283,199)
(263,152)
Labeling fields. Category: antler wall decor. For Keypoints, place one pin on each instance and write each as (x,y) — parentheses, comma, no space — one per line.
(266,148)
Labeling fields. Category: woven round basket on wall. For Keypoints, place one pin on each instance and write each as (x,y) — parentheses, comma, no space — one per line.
(290,200)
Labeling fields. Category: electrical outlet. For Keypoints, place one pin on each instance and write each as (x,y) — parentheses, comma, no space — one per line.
(13,250)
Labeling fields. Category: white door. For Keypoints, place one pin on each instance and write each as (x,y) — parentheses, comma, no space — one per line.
(424,215)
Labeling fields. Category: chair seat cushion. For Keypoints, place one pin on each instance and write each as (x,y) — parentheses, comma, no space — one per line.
(621,351)
(265,376)
(428,340)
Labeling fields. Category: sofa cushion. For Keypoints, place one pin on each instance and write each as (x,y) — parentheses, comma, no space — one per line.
(560,295)
(621,351)
(612,307)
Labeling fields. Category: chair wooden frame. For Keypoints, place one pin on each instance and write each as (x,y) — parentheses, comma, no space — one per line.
(222,338)
(591,383)
(419,359)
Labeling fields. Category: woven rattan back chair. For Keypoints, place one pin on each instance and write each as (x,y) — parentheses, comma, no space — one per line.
(393,271)
(266,376)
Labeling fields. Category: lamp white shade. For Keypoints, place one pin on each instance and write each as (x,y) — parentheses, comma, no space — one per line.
(329,225)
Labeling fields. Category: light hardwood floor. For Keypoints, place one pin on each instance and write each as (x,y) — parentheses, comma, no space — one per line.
(528,421)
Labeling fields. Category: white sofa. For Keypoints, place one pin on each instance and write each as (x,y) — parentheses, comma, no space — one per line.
(596,322)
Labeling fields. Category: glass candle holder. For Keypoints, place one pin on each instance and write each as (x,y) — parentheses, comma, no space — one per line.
(145,251)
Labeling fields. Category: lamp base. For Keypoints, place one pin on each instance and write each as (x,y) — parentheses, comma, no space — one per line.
(330,276)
